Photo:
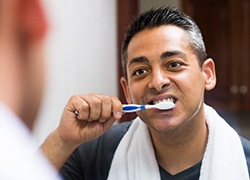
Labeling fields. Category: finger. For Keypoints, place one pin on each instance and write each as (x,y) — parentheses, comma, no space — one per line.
(108,123)
(95,106)
(80,107)
(117,108)
(106,111)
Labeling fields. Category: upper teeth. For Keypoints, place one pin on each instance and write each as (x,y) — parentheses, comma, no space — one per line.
(164,100)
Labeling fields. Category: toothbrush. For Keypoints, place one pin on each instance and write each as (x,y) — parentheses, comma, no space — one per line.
(127,108)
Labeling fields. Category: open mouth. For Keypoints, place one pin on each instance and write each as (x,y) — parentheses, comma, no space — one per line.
(171,99)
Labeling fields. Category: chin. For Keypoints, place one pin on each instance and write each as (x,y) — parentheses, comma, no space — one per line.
(30,112)
(163,125)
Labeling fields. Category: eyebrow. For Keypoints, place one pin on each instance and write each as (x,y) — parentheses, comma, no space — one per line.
(171,53)
(166,54)
(142,59)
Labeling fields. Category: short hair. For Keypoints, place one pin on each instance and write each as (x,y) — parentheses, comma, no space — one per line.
(165,16)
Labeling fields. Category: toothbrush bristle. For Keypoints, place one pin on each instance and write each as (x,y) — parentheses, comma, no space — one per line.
(165,105)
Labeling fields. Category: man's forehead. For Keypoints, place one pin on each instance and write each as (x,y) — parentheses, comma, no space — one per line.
(162,39)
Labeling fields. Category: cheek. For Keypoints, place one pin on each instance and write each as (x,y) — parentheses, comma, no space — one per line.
(190,85)
(137,92)
(193,87)
(39,77)
(191,79)
(133,95)
(35,79)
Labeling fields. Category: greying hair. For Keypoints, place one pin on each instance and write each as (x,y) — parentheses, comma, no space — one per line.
(165,16)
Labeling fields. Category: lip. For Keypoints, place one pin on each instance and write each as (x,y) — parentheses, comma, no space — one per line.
(158,111)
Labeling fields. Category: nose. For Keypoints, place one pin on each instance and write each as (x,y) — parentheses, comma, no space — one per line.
(159,80)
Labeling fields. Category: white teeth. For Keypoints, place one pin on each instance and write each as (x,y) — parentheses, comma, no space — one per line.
(164,100)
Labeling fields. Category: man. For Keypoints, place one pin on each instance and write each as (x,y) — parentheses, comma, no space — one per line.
(164,58)
(22,30)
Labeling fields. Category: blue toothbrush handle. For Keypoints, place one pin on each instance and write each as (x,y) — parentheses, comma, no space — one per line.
(132,108)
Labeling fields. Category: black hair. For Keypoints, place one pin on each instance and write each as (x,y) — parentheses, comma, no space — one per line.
(165,16)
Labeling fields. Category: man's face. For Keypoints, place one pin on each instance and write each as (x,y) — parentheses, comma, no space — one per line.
(33,81)
(161,65)
(32,58)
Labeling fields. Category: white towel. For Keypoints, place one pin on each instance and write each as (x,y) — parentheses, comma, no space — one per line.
(224,157)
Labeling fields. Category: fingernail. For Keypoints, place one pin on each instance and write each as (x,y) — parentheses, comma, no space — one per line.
(118,115)
(102,120)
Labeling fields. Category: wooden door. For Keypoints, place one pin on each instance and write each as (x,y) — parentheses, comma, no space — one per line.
(126,10)
(225,28)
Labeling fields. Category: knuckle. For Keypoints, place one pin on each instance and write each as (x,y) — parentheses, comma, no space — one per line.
(96,102)
(114,97)
(73,98)
(106,100)
(84,107)
(116,102)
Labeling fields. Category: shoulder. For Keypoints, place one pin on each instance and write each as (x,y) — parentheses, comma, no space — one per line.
(246,147)
(245,141)
(92,160)
(117,130)
(100,152)
(110,139)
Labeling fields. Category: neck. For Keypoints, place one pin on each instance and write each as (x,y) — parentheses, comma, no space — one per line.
(177,151)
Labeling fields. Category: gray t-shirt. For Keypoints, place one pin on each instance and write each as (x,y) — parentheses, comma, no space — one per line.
(92,160)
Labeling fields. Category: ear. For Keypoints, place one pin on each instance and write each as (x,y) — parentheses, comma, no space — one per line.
(35,27)
(126,90)
(208,69)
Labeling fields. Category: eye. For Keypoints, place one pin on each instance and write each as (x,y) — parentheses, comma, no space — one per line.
(139,72)
(174,65)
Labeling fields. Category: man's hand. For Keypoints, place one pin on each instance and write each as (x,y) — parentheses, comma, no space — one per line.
(95,115)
